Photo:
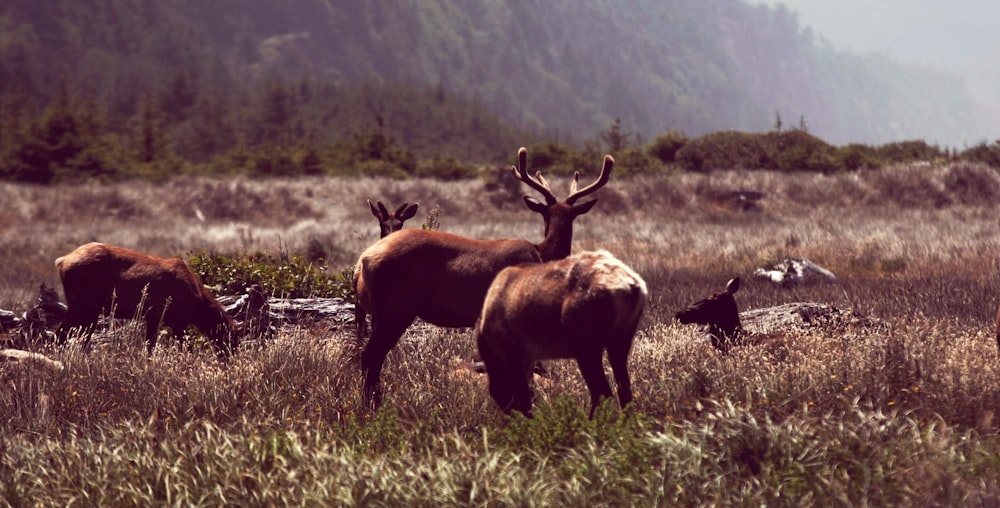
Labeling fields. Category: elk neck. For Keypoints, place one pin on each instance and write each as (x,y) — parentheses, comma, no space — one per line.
(558,242)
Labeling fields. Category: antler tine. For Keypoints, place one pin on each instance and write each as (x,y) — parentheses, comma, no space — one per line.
(609,164)
(521,173)
(541,180)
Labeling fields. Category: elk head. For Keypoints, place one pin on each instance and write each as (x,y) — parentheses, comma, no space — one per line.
(720,313)
(391,223)
(558,215)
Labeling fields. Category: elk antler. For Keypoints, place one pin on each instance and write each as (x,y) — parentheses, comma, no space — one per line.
(538,183)
(609,163)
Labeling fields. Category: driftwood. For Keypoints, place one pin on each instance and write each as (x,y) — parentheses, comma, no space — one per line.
(804,316)
(793,272)
(21,357)
(256,313)
(254,309)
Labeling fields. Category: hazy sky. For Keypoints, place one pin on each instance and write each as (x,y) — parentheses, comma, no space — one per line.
(960,36)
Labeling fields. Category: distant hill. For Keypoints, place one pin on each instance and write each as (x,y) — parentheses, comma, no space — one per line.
(563,69)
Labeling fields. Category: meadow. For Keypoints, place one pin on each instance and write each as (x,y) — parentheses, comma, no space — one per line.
(904,413)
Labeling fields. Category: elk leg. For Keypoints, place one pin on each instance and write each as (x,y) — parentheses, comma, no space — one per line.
(384,338)
(497,373)
(524,392)
(592,368)
(618,358)
(75,318)
(360,324)
(152,333)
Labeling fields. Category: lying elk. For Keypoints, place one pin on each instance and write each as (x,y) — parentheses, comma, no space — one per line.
(387,224)
(99,279)
(720,313)
(443,278)
(577,308)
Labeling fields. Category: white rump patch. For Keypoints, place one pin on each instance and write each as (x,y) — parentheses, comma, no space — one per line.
(609,271)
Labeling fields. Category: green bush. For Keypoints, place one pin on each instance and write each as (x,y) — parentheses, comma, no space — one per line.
(724,150)
(444,168)
(635,161)
(908,151)
(285,276)
(666,146)
(797,150)
(986,154)
(856,156)
(551,158)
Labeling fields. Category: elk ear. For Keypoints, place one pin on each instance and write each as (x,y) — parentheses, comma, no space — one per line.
(584,207)
(733,285)
(536,205)
(405,212)
(380,213)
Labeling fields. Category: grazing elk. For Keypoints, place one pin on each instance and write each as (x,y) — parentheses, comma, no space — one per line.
(720,313)
(577,308)
(100,279)
(387,224)
(443,278)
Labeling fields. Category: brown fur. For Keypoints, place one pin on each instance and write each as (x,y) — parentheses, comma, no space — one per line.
(576,308)
(97,278)
(387,224)
(720,313)
(443,278)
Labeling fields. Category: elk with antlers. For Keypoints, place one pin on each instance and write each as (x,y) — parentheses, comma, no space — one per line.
(387,224)
(577,308)
(443,278)
(129,284)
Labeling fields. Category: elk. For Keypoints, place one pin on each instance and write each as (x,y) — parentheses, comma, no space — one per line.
(100,279)
(392,223)
(442,278)
(387,224)
(720,313)
(577,307)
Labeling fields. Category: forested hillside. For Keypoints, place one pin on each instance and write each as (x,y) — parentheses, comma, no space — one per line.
(201,80)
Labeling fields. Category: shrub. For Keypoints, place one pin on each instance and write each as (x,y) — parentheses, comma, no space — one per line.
(986,154)
(724,150)
(285,276)
(635,161)
(797,150)
(856,156)
(444,168)
(666,146)
(551,158)
(908,151)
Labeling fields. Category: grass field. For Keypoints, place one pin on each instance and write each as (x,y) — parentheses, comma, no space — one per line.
(902,414)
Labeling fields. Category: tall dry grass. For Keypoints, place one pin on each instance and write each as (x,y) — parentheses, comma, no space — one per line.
(904,413)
